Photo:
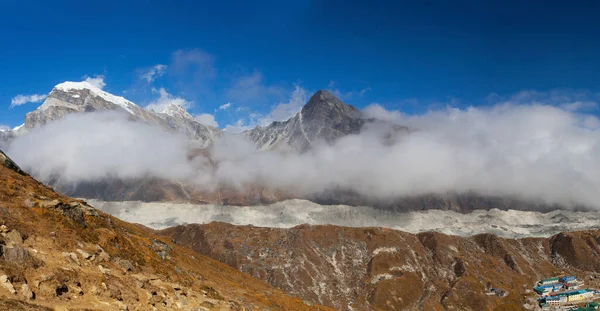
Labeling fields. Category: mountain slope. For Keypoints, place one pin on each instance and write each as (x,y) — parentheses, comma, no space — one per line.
(384,269)
(324,117)
(77,97)
(60,252)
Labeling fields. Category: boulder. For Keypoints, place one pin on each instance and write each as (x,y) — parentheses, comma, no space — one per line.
(26,292)
(13,237)
(124,263)
(15,254)
(103,269)
(161,249)
(50,204)
(72,258)
(6,161)
(101,254)
(84,254)
(5,282)
(29,203)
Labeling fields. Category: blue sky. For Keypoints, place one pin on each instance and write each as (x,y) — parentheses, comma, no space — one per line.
(405,55)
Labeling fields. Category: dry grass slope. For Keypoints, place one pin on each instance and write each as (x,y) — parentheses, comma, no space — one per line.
(57,252)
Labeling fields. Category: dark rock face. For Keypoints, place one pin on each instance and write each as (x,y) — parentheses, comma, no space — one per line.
(326,117)
(323,118)
(6,161)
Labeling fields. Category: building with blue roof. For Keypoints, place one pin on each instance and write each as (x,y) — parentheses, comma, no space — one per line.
(548,288)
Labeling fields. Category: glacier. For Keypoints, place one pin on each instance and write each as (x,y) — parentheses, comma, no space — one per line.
(290,213)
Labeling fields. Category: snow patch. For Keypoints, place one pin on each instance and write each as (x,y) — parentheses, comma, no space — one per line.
(74,86)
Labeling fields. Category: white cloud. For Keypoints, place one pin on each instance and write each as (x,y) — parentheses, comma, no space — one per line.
(97,81)
(286,110)
(165,99)
(4,128)
(538,152)
(252,89)
(99,145)
(207,119)
(279,112)
(225,106)
(376,111)
(24,99)
(523,150)
(153,73)
(239,126)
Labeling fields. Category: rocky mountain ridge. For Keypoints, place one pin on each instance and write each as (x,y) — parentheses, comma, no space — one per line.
(323,118)
(383,269)
(77,97)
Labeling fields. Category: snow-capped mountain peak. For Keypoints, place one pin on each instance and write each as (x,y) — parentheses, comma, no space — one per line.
(75,88)
(81,97)
(177,111)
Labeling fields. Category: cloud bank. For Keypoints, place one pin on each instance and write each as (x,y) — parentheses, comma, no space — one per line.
(207,119)
(531,151)
(94,146)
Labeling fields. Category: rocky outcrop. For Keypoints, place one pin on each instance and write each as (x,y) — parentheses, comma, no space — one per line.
(384,269)
(8,163)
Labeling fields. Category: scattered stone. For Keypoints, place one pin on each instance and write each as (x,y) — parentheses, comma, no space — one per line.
(50,204)
(122,306)
(161,249)
(86,209)
(103,270)
(13,237)
(114,292)
(53,234)
(72,258)
(7,284)
(125,264)
(101,254)
(84,254)
(3,229)
(15,254)
(72,210)
(26,292)
(29,203)
(44,278)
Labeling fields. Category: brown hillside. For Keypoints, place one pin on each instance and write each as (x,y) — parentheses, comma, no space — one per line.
(57,252)
(384,269)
